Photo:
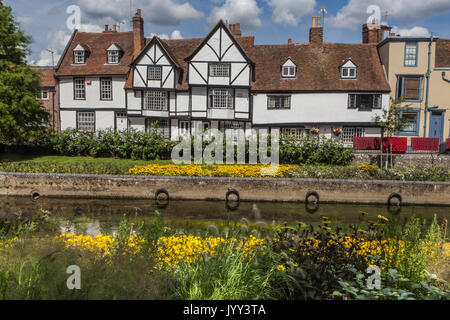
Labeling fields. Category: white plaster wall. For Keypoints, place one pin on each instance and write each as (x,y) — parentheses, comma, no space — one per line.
(313,108)
(104,120)
(199,99)
(92,94)
(243,78)
(241,100)
(133,100)
(195,76)
(68,120)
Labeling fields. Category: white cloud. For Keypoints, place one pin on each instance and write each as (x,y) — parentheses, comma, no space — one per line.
(175,35)
(161,12)
(245,12)
(412,32)
(57,41)
(353,15)
(25,22)
(291,12)
(90,28)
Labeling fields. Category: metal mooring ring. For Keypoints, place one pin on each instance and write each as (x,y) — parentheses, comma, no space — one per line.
(229,193)
(35,195)
(312,194)
(161,192)
(392,196)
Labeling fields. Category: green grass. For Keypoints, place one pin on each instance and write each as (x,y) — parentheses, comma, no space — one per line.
(74,165)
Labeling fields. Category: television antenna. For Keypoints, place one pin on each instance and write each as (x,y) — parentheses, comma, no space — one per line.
(53,55)
(386,15)
(323,12)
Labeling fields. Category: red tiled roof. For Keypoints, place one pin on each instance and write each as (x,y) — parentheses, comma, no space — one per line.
(96,62)
(318,69)
(47,76)
(442,53)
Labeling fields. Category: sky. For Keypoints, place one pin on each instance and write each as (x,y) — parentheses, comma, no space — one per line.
(270,21)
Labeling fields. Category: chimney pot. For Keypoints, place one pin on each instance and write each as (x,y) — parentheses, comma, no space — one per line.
(106,28)
(138,12)
(114,28)
(289,41)
(238,27)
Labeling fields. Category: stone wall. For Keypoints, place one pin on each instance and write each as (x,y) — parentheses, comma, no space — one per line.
(408,159)
(207,188)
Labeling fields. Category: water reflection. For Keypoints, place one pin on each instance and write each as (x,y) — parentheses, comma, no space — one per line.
(102,216)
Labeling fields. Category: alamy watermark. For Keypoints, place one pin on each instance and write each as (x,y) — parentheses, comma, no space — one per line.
(74,280)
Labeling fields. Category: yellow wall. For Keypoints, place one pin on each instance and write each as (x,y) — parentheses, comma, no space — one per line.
(392,55)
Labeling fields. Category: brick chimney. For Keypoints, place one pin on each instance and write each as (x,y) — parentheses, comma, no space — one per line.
(235,29)
(106,28)
(316,33)
(373,32)
(138,33)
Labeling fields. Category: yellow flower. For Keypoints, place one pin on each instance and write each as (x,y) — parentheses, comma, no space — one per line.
(281,268)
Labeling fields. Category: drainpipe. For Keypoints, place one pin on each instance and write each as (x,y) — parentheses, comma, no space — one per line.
(428,87)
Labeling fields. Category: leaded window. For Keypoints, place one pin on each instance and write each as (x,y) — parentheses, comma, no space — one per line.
(154,73)
(349,132)
(279,102)
(86,121)
(219,70)
(221,99)
(79,57)
(155,100)
(106,89)
(297,133)
(79,89)
(411,54)
(113,56)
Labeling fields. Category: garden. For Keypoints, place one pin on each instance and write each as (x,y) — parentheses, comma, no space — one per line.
(156,258)
(137,153)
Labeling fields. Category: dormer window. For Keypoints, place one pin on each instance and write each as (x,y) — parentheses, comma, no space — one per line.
(348,70)
(113,54)
(288,69)
(79,55)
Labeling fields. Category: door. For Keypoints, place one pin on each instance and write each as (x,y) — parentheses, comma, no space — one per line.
(121,121)
(437,126)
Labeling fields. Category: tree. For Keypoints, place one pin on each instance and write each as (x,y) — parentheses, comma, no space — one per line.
(391,119)
(22,119)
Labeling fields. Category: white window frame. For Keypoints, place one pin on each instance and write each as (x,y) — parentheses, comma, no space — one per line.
(79,56)
(184,127)
(113,56)
(348,73)
(349,132)
(411,49)
(155,100)
(40,94)
(289,72)
(220,98)
(154,73)
(298,133)
(79,91)
(219,70)
(86,121)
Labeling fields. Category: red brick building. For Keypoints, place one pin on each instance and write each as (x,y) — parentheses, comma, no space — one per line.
(48,94)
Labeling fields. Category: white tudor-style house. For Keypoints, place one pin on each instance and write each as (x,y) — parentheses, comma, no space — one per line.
(122,80)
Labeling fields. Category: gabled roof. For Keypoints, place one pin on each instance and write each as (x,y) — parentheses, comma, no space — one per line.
(348,64)
(442,53)
(220,24)
(115,46)
(164,48)
(97,43)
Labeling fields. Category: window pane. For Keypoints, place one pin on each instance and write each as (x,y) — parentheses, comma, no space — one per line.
(410,54)
(113,56)
(79,91)
(106,89)
(411,88)
(154,73)
(221,98)
(345,72)
(411,117)
(155,100)
(219,70)
(86,121)
(279,102)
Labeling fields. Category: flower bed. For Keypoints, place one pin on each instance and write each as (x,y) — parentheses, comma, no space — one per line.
(425,144)
(193,170)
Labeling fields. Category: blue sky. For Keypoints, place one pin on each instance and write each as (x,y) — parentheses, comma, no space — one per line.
(270,21)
